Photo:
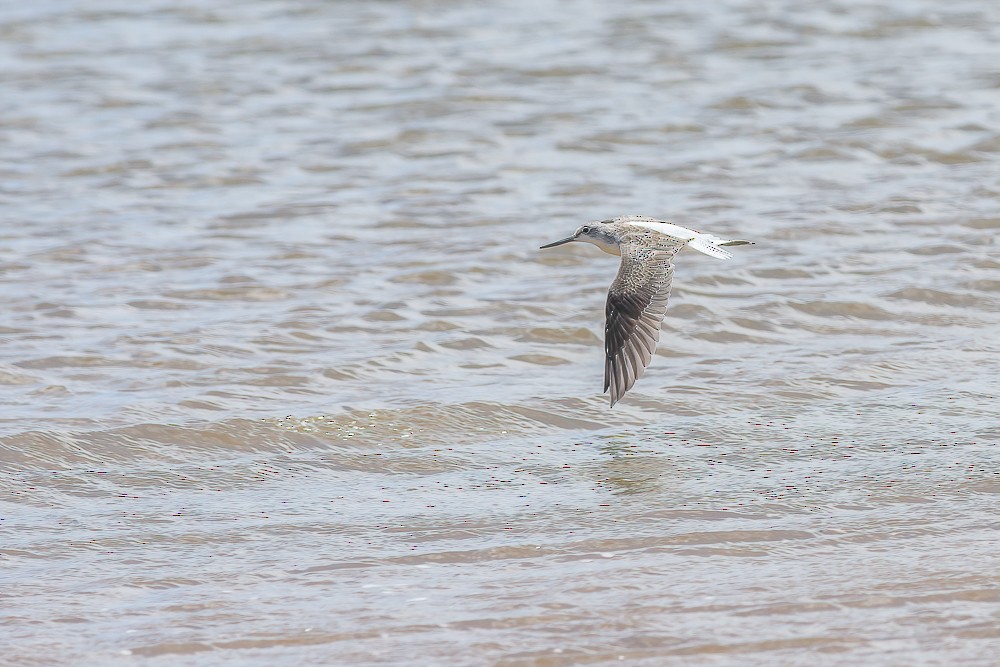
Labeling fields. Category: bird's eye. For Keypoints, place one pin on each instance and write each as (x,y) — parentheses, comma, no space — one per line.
(585,230)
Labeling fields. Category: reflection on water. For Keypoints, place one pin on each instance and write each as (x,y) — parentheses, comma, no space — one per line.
(286,380)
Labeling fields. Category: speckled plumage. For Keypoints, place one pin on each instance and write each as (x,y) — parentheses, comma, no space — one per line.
(637,299)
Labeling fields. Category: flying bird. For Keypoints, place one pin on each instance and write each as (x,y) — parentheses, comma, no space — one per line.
(637,300)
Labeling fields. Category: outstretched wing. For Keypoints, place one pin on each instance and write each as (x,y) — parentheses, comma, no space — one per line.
(636,304)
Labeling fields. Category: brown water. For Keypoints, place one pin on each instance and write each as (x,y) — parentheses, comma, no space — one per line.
(285,380)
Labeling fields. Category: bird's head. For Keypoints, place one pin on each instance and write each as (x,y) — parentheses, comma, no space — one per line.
(597,233)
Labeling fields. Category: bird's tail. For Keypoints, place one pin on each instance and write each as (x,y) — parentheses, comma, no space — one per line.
(712,245)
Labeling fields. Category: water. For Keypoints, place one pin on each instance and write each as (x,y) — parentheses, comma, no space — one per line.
(287,381)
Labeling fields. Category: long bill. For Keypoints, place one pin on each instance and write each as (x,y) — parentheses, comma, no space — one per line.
(559,242)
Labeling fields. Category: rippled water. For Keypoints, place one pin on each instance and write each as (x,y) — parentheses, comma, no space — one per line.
(286,380)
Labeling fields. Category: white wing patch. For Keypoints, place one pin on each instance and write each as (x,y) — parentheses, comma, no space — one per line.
(678,232)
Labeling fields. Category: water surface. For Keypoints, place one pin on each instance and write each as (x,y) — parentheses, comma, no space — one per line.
(286,380)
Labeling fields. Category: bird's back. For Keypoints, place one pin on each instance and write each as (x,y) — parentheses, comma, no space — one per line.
(662,234)
(649,233)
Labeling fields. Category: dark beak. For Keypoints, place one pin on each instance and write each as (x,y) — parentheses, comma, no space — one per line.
(560,242)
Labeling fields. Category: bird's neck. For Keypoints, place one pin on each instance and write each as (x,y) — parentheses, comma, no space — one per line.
(607,246)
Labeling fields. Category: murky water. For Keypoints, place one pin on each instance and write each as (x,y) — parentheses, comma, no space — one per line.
(286,380)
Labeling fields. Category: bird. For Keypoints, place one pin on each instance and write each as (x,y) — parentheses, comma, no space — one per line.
(637,299)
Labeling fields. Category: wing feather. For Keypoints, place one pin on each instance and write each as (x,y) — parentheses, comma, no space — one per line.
(637,302)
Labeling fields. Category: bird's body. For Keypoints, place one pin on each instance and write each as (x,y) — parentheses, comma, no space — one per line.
(637,299)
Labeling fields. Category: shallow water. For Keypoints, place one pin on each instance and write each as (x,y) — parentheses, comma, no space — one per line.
(287,381)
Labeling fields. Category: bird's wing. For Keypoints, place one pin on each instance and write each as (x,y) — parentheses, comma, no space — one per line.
(636,304)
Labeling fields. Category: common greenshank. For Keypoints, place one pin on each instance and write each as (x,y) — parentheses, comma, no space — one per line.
(637,300)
